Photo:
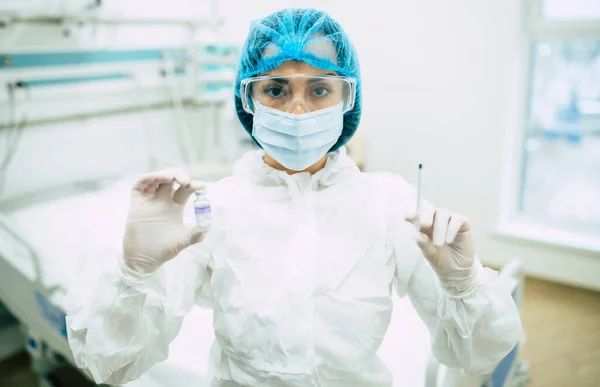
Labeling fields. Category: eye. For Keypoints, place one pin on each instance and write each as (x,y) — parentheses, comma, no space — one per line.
(273,91)
(321,91)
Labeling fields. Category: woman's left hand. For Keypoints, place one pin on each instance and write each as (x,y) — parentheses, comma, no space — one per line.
(447,243)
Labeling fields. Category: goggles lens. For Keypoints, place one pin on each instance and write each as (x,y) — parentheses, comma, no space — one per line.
(308,93)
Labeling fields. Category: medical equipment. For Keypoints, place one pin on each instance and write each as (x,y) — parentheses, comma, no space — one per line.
(418,213)
(14,129)
(121,87)
(202,210)
(177,98)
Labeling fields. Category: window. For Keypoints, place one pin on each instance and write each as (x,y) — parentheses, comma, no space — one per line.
(559,186)
(562,150)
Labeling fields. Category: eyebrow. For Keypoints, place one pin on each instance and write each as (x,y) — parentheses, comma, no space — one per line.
(329,74)
(312,80)
(315,80)
(282,81)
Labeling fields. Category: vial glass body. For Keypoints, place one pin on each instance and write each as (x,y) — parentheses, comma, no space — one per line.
(202,210)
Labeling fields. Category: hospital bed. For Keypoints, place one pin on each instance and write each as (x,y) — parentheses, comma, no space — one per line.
(44,246)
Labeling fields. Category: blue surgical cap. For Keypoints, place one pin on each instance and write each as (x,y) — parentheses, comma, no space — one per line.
(299,34)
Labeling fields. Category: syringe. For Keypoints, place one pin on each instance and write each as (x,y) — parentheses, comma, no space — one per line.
(418,215)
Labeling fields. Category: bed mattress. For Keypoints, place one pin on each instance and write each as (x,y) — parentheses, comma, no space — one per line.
(67,233)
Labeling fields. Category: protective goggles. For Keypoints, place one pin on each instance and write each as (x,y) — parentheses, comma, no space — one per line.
(310,92)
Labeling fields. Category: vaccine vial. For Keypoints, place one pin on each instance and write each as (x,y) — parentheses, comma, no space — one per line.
(202,210)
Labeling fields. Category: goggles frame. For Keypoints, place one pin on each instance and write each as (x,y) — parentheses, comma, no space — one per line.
(246,104)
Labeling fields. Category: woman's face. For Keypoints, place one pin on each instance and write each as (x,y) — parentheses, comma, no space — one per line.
(298,95)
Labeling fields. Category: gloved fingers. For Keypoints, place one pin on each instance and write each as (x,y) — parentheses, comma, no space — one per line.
(170,176)
(178,175)
(149,182)
(151,179)
(165,190)
(182,194)
(426,219)
(458,223)
(150,188)
(167,180)
(440,226)
(144,182)
(427,216)
(425,243)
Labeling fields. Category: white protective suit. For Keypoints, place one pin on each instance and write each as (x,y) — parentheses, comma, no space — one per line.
(299,270)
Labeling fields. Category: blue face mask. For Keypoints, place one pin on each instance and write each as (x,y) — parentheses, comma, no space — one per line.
(297,141)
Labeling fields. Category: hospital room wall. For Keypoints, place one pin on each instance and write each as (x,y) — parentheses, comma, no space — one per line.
(442,85)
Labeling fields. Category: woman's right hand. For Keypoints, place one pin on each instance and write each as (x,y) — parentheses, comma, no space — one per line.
(155,232)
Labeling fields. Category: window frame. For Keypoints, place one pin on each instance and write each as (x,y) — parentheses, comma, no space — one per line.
(511,222)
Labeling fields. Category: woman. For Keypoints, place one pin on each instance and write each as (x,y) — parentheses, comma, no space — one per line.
(304,249)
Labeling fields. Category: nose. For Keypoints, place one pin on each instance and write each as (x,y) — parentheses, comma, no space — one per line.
(298,107)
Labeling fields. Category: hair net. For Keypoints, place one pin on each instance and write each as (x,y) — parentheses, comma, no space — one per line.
(304,35)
